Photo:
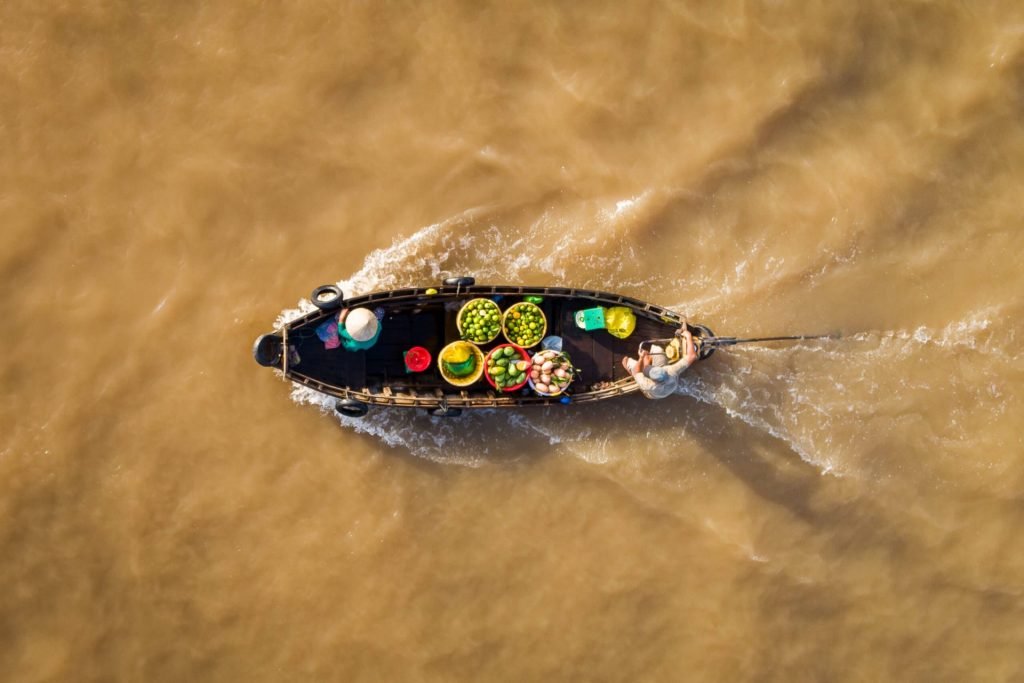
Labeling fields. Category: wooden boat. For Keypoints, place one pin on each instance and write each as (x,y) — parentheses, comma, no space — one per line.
(425,316)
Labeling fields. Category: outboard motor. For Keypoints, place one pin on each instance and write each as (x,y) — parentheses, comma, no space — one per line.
(702,332)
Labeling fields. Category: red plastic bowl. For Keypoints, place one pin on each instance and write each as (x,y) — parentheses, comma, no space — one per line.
(417,359)
(523,356)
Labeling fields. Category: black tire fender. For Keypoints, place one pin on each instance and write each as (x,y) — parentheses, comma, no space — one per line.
(464,281)
(267,350)
(327,297)
(349,407)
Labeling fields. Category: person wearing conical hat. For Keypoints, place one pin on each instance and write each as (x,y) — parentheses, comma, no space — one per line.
(358,329)
(656,373)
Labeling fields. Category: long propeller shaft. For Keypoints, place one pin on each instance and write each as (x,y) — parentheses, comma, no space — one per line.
(730,341)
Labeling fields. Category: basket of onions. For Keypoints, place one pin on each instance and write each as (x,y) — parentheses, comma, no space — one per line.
(551,372)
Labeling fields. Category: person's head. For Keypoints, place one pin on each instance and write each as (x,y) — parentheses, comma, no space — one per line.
(658,374)
(361,324)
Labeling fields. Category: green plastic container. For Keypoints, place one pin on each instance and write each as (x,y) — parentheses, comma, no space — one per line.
(590,319)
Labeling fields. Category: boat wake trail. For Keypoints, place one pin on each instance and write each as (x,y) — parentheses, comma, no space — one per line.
(590,242)
(840,406)
(477,437)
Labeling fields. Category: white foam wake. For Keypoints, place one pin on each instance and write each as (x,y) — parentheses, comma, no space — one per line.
(813,396)
(818,397)
(427,255)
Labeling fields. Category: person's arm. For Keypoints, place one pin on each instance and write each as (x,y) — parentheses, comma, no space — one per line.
(639,364)
(645,360)
(643,381)
(346,339)
(689,356)
(691,349)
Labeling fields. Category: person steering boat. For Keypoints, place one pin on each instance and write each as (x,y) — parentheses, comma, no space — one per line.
(656,371)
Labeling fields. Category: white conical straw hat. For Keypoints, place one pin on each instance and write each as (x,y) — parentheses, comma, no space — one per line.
(361,324)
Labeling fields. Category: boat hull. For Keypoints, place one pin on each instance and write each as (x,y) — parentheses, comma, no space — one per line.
(426,317)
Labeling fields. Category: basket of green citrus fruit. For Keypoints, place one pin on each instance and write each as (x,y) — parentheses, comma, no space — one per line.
(479,321)
(524,324)
(508,367)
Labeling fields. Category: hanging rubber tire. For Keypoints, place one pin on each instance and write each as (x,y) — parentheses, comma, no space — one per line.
(267,350)
(327,297)
(349,407)
(463,281)
(704,332)
(444,411)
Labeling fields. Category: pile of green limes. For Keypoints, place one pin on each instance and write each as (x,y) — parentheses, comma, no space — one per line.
(524,324)
(507,367)
(480,321)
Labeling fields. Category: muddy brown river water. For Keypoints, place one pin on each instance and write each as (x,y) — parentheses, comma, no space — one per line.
(176,176)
